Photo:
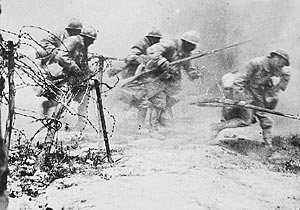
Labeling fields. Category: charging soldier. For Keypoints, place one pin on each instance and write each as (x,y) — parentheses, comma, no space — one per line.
(169,82)
(258,84)
(138,53)
(54,41)
(74,63)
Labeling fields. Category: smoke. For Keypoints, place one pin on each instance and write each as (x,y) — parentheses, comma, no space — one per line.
(270,24)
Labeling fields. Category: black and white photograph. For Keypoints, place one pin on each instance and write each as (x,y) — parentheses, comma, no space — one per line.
(149,105)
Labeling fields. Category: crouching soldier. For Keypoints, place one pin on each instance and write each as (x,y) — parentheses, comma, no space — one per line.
(167,51)
(169,77)
(258,84)
(72,56)
(138,52)
(54,41)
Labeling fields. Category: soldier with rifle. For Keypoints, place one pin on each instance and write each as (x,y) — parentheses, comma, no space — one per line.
(257,84)
(149,87)
(138,54)
(159,94)
(179,49)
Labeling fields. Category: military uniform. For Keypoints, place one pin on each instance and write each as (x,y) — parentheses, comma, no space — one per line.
(54,41)
(171,50)
(170,83)
(136,56)
(254,85)
(72,55)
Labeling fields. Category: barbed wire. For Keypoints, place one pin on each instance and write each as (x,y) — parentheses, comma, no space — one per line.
(27,68)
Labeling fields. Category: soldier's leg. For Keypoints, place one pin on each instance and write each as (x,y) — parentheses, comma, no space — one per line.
(82,112)
(167,114)
(158,104)
(233,118)
(266,123)
(142,113)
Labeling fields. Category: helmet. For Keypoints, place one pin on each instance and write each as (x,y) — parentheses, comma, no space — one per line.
(89,32)
(191,37)
(74,23)
(155,33)
(283,54)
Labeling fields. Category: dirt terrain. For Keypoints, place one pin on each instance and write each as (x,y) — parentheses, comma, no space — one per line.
(184,171)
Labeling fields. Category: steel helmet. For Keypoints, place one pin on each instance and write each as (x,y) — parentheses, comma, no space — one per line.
(74,23)
(283,54)
(191,37)
(89,32)
(155,33)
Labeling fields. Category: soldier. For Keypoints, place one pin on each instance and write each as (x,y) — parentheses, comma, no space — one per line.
(74,62)
(137,54)
(54,41)
(161,94)
(258,84)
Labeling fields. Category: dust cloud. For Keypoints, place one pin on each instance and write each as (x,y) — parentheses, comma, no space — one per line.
(270,24)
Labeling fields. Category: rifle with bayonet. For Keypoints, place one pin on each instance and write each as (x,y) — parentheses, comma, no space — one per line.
(231,103)
(145,74)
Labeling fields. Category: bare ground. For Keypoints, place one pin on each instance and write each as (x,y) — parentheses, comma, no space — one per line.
(184,171)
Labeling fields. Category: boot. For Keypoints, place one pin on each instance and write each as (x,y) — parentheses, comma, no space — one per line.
(267,137)
(216,128)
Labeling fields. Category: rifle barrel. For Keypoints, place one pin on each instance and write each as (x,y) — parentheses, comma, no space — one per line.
(216,103)
(207,53)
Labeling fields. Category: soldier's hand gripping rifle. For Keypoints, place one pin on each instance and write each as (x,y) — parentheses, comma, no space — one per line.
(95,55)
(146,74)
(231,103)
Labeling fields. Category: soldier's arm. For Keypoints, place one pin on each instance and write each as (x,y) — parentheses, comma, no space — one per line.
(63,53)
(156,51)
(133,56)
(52,41)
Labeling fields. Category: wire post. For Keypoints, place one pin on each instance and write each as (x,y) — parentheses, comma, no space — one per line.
(12,93)
(102,118)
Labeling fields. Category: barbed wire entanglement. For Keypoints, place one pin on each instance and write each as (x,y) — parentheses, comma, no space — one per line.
(41,150)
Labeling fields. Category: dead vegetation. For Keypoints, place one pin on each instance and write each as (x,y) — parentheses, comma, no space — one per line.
(284,157)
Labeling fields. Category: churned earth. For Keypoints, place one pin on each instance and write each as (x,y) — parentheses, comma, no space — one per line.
(183,171)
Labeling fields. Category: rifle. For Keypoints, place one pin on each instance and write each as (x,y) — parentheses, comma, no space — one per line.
(144,74)
(95,55)
(231,103)
(207,53)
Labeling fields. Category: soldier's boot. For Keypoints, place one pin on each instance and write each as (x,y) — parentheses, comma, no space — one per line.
(216,128)
(154,118)
(142,113)
(267,137)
